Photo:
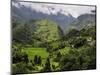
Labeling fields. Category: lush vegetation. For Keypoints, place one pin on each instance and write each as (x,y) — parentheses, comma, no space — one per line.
(41,46)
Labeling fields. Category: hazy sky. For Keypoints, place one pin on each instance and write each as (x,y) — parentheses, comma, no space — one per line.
(74,10)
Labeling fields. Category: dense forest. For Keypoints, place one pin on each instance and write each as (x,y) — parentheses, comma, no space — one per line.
(41,45)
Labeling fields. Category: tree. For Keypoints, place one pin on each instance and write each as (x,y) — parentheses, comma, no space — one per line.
(47,67)
(20,68)
(20,57)
(25,58)
(22,33)
(35,59)
(72,33)
(58,57)
(39,60)
(70,61)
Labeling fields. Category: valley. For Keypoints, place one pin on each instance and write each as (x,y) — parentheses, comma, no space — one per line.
(51,42)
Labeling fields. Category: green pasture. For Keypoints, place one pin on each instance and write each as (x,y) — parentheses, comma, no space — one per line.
(36,51)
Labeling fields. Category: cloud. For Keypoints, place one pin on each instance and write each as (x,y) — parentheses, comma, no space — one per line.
(74,10)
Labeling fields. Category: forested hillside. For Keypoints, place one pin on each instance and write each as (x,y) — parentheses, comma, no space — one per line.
(41,46)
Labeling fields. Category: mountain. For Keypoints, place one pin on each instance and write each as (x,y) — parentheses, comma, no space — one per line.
(36,32)
(25,11)
(83,21)
(64,16)
(47,30)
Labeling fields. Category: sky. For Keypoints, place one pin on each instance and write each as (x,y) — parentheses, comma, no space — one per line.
(48,8)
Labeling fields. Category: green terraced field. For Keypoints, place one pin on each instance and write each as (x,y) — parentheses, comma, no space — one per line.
(36,51)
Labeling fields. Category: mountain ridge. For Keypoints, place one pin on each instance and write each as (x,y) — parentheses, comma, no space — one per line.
(29,14)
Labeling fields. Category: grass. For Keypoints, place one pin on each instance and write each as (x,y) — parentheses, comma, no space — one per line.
(36,51)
